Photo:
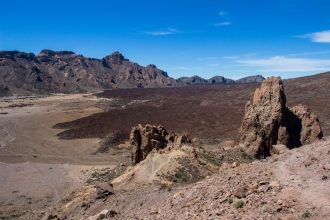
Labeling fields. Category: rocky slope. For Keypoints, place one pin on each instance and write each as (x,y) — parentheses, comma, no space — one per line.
(67,72)
(292,184)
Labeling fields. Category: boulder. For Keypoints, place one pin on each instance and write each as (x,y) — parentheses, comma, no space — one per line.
(267,121)
(103,190)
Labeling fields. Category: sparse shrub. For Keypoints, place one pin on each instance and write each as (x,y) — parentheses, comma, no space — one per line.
(265,208)
(109,141)
(230,200)
(239,204)
(306,214)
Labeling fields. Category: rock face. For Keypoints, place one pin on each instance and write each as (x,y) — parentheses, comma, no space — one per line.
(67,72)
(144,139)
(268,121)
(310,126)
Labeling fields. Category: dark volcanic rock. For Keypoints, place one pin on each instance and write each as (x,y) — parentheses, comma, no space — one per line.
(4,91)
(67,72)
(251,79)
(268,121)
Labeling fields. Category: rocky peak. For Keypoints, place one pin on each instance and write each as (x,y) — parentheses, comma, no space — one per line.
(268,121)
(152,66)
(270,93)
(115,58)
(251,79)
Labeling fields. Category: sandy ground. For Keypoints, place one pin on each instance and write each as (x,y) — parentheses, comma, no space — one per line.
(36,167)
(27,135)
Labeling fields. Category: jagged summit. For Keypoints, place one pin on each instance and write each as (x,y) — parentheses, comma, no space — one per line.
(115,58)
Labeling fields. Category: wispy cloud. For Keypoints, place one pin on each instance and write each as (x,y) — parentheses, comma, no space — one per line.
(318,37)
(223,24)
(324,52)
(287,64)
(230,57)
(181,68)
(241,56)
(222,13)
(168,31)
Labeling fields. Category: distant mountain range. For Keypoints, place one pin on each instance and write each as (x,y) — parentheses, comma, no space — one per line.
(197,80)
(67,72)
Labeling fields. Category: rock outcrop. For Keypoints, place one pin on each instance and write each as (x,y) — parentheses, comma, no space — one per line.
(144,139)
(268,121)
(309,123)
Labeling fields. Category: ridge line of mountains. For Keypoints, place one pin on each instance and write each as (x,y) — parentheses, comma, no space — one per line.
(67,72)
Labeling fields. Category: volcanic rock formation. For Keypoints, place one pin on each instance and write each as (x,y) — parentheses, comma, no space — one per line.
(268,121)
(145,139)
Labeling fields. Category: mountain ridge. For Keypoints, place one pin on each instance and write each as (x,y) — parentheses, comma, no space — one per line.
(67,72)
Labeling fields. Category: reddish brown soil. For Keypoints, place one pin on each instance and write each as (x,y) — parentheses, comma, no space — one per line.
(207,112)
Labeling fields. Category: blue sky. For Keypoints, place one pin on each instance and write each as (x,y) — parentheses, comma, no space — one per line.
(233,38)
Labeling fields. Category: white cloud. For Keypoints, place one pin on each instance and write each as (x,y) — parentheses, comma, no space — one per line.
(222,13)
(169,31)
(181,68)
(286,64)
(230,57)
(222,24)
(318,37)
